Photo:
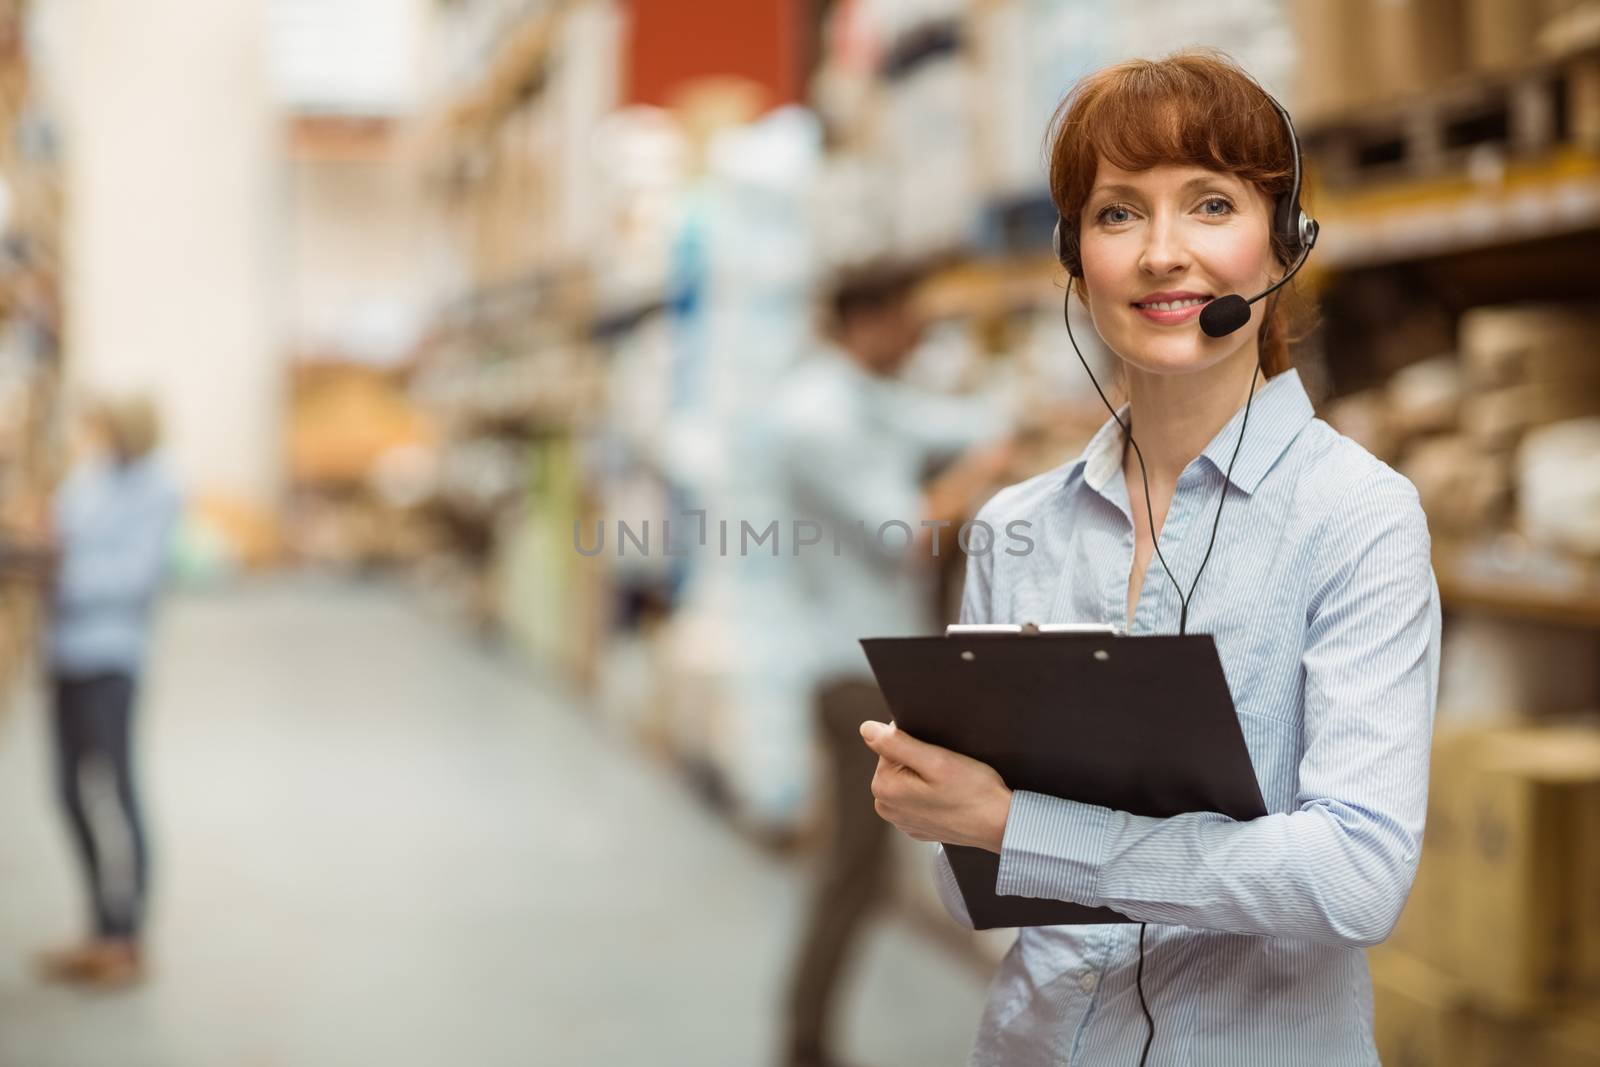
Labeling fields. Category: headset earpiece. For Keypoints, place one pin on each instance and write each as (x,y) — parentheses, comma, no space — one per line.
(1064,241)
(1296,230)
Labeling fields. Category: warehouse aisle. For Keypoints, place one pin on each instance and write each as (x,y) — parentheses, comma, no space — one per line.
(377,843)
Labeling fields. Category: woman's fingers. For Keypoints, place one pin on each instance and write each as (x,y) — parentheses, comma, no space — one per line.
(897,746)
(930,793)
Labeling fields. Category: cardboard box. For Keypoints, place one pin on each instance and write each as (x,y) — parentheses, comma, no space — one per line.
(1462,487)
(1573,1042)
(1492,1042)
(1586,894)
(1336,71)
(1419,1017)
(1425,397)
(1364,418)
(1583,102)
(1523,801)
(1502,34)
(1527,343)
(1497,418)
(1428,926)
(1417,44)
(1557,1042)
(1422,1018)
(1492,668)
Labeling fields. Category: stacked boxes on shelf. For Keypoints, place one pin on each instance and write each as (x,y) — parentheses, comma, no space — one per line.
(510,373)
(1501,445)
(1495,959)
(1466,431)
(1365,52)
(30,329)
(1497,955)
(1531,367)
(1527,366)
(1421,1020)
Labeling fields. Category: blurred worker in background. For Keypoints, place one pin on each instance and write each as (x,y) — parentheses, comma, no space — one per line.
(113,522)
(855,446)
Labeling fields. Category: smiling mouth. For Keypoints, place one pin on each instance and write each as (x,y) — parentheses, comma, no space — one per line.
(1173,305)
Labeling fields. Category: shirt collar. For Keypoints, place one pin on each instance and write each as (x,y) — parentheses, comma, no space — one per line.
(1279,412)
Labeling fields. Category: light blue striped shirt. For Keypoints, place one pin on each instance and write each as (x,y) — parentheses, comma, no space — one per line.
(1321,597)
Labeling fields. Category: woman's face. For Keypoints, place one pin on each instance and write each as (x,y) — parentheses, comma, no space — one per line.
(1177,235)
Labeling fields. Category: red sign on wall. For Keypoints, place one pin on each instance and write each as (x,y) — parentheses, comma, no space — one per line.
(674,42)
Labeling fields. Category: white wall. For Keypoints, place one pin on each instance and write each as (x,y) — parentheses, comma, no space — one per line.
(175,216)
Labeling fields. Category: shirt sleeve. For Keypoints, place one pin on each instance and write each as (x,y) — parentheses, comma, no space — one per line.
(1337,868)
(123,570)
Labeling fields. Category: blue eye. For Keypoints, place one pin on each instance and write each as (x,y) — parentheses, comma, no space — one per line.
(1216,205)
(1107,214)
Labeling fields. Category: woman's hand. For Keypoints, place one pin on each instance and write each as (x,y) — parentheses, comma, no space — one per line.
(933,794)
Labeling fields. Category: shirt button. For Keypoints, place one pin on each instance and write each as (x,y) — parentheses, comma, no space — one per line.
(1088,982)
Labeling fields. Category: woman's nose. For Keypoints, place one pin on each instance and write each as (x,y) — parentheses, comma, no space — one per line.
(1163,252)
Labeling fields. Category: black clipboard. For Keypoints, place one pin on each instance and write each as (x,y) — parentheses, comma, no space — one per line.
(1139,724)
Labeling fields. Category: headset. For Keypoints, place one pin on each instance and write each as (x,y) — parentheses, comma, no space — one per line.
(1296,234)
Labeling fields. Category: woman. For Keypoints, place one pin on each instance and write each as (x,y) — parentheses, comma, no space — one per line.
(1318,590)
(114,519)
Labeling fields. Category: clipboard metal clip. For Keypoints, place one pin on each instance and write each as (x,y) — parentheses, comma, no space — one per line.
(1032,629)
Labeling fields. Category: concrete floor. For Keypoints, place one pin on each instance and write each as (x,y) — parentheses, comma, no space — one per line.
(377,843)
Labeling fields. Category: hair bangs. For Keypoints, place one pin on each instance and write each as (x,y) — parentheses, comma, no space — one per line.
(1191,109)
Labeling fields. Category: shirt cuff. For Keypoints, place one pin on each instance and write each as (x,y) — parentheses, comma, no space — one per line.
(1053,848)
(949,891)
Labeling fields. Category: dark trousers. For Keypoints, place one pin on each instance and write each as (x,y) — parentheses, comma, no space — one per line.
(93,727)
(853,865)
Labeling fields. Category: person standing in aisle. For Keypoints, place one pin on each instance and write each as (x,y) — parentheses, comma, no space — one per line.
(1177,184)
(854,448)
(114,518)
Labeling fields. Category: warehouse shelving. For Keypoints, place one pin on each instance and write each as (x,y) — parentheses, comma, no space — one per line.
(30,311)
(1472,578)
(509,73)
(1405,220)
(1482,187)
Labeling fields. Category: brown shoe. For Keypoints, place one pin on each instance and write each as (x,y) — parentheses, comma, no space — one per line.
(118,965)
(72,964)
(100,964)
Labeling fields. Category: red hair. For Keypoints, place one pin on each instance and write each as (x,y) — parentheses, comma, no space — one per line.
(1193,108)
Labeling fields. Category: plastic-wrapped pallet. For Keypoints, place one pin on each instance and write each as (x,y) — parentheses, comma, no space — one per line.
(1558,469)
(1027,54)
(744,273)
(641,162)
(928,148)
(849,212)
